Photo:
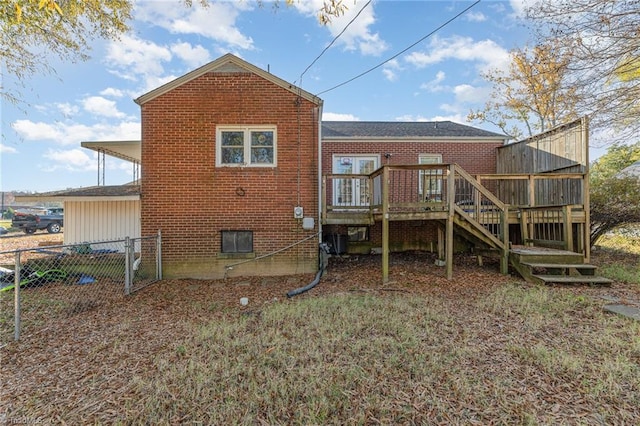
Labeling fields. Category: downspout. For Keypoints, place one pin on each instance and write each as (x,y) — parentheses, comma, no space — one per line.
(319,109)
(323,249)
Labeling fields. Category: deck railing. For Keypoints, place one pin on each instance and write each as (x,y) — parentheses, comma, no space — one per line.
(478,206)
(530,190)
(412,192)
(420,187)
(551,226)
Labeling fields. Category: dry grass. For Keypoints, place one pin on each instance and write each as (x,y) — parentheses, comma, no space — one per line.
(480,349)
(622,251)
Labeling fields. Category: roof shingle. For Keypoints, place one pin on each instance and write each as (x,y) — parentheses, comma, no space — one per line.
(397,129)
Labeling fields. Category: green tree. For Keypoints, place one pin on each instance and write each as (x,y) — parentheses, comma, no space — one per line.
(33,30)
(532,93)
(614,197)
(617,157)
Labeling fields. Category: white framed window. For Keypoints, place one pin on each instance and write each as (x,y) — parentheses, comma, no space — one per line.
(430,184)
(353,192)
(254,146)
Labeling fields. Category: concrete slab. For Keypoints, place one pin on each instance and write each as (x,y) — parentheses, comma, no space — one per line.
(624,310)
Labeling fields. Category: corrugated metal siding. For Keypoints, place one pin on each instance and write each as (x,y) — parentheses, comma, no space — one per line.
(101,220)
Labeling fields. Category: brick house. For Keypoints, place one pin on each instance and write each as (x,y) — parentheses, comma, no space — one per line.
(230,163)
(241,177)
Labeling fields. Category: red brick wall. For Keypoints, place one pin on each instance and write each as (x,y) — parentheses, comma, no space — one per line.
(474,157)
(191,200)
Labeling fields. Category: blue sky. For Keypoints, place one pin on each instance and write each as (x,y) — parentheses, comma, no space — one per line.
(438,79)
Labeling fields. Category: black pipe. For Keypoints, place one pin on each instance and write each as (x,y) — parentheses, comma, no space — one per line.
(321,268)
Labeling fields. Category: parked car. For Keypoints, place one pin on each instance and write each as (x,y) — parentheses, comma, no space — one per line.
(30,223)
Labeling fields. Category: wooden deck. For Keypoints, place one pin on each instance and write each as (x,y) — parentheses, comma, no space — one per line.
(462,205)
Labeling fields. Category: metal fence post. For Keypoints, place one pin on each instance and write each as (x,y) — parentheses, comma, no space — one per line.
(16,289)
(159,255)
(127,266)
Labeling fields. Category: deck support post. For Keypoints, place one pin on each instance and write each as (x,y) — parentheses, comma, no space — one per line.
(567,228)
(504,259)
(441,250)
(449,244)
(385,225)
(585,193)
(451,199)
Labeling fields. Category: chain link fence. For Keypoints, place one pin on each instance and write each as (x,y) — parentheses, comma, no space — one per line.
(59,282)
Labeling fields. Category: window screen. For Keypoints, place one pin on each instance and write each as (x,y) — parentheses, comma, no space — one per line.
(237,241)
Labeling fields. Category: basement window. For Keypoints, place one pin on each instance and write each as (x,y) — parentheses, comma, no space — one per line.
(358,233)
(237,241)
(253,146)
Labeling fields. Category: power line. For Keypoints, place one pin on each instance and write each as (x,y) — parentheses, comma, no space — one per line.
(402,51)
(334,40)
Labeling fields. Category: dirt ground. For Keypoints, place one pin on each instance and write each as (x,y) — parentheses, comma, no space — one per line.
(20,240)
(77,353)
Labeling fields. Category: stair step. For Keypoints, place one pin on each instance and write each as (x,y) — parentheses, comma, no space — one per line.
(560,265)
(573,279)
(564,268)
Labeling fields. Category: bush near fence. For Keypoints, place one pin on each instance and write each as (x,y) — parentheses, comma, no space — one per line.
(619,252)
(58,282)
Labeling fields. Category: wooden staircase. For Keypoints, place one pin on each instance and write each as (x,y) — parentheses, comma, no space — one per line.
(548,266)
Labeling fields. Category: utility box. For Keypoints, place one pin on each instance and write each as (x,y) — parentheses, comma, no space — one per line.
(308,223)
(337,243)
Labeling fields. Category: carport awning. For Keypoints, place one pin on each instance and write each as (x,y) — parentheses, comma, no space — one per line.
(124,150)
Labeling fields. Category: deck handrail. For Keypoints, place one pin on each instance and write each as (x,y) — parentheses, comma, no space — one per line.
(486,212)
(530,194)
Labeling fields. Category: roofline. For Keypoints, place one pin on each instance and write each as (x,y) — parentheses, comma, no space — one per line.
(216,64)
(63,198)
(399,139)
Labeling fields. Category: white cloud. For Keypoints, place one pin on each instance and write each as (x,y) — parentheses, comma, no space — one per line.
(153,82)
(73,133)
(113,92)
(434,85)
(217,21)
(132,57)
(465,93)
(67,109)
(333,116)
(4,149)
(103,107)
(79,160)
(69,160)
(457,118)
(144,61)
(194,56)
(358,36)
(389,74)
(390,70)
(519,7)
(486,53)
(475,16)
(411,118)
